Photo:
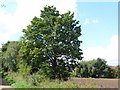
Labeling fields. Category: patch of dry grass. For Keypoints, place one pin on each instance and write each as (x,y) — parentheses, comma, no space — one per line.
(97,82)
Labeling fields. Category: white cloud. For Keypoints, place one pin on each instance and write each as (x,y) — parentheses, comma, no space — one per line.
(90,21)
(11,24)
(109,53)
(5,26)
(86,21)
(95,21)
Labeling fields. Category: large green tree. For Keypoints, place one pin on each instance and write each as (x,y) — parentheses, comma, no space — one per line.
(52,38)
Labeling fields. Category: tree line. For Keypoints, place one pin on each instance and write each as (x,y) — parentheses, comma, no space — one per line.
(96,68)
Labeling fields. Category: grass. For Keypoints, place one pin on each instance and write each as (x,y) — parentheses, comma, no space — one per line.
(48,84)
(21,82)
(27,81)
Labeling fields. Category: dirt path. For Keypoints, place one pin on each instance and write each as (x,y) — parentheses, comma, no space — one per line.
(98,82)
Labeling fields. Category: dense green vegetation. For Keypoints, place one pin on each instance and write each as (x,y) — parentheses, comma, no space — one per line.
(51,43)
(49,53)
(96,69)
(49,48)
(9,56)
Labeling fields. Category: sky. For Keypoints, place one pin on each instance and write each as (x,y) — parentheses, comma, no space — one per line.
(98,20)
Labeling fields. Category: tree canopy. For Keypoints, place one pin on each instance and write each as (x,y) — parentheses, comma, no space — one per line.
(52,40)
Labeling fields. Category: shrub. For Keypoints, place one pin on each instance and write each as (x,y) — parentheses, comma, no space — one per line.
(8,78)
(36,78)
(24,70)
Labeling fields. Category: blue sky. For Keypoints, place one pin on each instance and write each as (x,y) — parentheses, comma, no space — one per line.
(98,20)
(106,25)
(10,5)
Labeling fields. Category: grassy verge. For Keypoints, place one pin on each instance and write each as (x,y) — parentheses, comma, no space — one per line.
(21,82)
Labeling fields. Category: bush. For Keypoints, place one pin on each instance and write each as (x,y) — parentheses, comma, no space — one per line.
(8,78)
(36,78)
(20,81)
(24,70)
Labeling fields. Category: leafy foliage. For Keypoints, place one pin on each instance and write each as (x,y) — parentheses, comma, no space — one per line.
(9,79)
(95,69)
(8,55)
(118,71)
(52,39)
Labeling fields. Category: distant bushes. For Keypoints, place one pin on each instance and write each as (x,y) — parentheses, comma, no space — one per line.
(96,69)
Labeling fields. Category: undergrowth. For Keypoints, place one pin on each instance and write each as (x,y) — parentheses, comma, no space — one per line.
(23,79)
(21,82)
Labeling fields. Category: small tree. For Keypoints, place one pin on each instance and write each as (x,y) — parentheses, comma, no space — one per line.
(99,66)
(52,38)
(8,55)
